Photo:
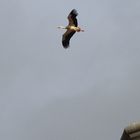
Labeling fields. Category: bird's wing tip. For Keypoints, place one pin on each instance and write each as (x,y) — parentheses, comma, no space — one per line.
(74,12)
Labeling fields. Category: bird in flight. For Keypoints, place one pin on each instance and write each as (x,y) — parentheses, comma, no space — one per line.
(71,28)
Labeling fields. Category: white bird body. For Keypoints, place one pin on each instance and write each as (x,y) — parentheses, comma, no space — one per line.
(71,28)
(77,29)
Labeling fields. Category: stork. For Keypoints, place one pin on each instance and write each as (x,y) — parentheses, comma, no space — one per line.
(71,28)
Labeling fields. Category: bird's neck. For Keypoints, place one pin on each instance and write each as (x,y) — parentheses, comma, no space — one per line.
(61,27)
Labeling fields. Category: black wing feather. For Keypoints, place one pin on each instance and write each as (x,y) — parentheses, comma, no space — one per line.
(66,38)
(72,17)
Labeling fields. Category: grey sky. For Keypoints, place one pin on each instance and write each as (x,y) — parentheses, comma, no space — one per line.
(89,91)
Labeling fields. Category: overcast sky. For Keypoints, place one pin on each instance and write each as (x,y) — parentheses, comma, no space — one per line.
(88,91)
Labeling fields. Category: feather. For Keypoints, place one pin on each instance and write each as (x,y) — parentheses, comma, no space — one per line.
(72,18)
(66,38)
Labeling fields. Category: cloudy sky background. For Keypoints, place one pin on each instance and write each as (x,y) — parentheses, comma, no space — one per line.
(89,91)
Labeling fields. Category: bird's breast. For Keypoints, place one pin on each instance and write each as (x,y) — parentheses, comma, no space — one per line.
(73,28)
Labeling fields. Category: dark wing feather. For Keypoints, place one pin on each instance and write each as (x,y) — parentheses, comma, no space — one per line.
(66,38)
(72,18)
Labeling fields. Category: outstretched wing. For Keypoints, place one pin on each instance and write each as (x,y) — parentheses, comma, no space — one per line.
(66,38)
(72,18)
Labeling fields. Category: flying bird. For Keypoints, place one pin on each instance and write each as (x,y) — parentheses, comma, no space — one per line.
(71,28)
